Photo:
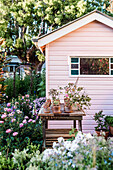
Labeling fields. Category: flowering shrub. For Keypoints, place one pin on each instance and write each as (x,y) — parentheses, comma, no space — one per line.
(84,152)
(18,127)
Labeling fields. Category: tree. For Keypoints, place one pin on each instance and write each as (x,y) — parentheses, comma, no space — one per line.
(21,20)
(3,63)
(101,5)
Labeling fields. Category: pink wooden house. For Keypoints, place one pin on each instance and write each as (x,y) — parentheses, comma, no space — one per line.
(82,48)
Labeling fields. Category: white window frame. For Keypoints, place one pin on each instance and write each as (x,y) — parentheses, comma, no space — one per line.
(69,63)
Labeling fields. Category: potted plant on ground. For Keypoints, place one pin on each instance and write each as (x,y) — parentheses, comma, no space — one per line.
(109,121)
(101,124)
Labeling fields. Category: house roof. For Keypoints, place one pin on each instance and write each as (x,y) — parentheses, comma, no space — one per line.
(73,25)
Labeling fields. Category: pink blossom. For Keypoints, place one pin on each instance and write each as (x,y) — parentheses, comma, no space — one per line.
(26,117)
(8,130)
(16,103)
(30,107)
(5,109)
(13,120)
(15,133)
(22,97)
(1,121)
(24,121)
(66,95)
(34,121)
(21,125)
(30,120)
(27,95)
(11,114)
(36,117)
(8,110)
(93,64)
(3,116)
(8,104)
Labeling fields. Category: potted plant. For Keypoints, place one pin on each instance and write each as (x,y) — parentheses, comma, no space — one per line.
(78,99)
(67,105)
(56,107)
(101,124)
(109,121)
(47,105)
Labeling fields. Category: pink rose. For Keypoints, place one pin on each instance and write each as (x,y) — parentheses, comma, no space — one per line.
(8,130)
(21,125)
(11,114)
(30,120)
(8,110)
(34,121)
(26,117)
(36,117)
(66,95)
(24,121)
(13,120)
(27,95)
(1,121)
(3,116)
(8,104)
(15,133)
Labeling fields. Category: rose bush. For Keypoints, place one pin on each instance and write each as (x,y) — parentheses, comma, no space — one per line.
(20,124)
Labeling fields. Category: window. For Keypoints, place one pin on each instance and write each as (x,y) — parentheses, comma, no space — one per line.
(91,66)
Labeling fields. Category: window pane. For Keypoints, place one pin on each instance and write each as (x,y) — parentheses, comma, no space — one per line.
(94,66)
(74,72)
(111,60)
(74,60)
(111,66)
(74,65)
(111,72)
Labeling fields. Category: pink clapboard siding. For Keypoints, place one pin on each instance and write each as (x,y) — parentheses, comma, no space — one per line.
(93,39)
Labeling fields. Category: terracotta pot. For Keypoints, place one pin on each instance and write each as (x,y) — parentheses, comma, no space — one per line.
(47,110)
(111,129)
(68,109)
(99,133)
(47,104)
(56,109)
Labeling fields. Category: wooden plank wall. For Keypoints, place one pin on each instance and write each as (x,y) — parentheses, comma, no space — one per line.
(94,39)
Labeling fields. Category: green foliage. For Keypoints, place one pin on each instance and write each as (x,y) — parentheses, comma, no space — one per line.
(109,120)
(101,123)
(6,163)
(22,86)
(21,20)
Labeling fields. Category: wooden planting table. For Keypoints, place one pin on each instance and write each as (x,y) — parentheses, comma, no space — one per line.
(51,135)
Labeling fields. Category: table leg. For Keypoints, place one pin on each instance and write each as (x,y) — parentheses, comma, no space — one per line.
(44,134)
(80,125)
(74,124)
(46,124)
